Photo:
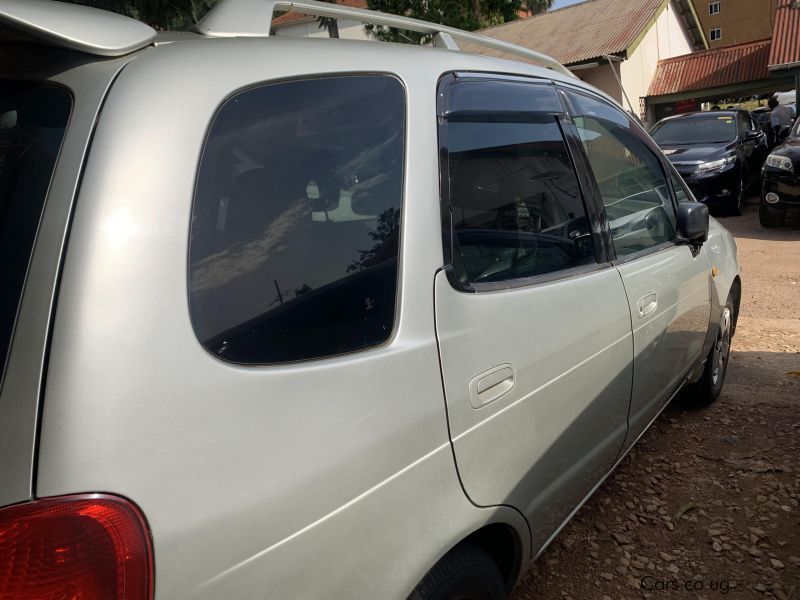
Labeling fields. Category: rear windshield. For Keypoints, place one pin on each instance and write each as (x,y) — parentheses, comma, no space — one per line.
(699,130)
(33,118)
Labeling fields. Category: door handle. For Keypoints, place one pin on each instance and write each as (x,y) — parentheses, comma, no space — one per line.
(647,304)
(491,385)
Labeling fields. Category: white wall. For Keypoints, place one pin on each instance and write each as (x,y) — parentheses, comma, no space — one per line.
(352,30)
(666,39)
(603,79)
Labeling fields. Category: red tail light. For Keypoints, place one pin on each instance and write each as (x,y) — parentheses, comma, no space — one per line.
(87,547)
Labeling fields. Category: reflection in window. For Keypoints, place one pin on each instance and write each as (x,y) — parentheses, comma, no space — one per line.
(296,220)
(682,193)
(515,203)
(635,193)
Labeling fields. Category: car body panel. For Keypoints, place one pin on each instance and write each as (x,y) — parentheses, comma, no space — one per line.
(668,337)
(543,445)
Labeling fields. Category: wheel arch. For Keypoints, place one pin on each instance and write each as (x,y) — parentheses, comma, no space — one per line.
(503,544)
(736,296)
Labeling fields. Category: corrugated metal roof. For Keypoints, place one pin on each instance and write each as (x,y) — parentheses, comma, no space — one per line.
(711,68)
(786,35)
(293,17)
(581,32)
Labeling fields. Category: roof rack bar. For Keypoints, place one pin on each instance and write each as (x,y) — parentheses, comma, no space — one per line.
(253,18)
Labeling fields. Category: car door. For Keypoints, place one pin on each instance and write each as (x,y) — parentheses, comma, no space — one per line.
(667,285)
(748,146)
(531,318)
(760,149)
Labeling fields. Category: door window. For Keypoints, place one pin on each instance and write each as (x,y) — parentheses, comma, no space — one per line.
(629,175)
(512,199)
(296,220)
(682,193)
(743,125)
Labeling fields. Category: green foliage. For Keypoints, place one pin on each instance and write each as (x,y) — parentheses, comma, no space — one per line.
(175,15)
(463,14)
(538,6)
(328,24)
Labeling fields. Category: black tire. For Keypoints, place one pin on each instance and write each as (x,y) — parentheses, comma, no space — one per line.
(466,573)
(709,386)
(770,217)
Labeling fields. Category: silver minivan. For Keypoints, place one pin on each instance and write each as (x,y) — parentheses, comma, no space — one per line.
(311,318)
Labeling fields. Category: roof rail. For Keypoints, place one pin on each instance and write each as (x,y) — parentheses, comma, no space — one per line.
(253,18)
(76,27)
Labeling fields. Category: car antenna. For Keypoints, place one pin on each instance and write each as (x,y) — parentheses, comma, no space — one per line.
(611,60)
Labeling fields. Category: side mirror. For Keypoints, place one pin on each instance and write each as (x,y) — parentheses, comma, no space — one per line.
(752,135)
(783,134)
(692,223)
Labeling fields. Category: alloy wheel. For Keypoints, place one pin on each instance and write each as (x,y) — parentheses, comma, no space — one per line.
(722,348)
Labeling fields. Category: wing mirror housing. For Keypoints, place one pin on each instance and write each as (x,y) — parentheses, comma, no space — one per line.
(752,135)
(692,223)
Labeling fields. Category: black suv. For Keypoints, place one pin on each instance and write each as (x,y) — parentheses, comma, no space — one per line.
(780,187)
(718,153)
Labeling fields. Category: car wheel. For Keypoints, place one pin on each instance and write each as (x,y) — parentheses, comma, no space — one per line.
(770,217)
(466,573)
(738,199)
(709,386)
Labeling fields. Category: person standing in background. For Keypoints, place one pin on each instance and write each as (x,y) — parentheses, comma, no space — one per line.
(780,117)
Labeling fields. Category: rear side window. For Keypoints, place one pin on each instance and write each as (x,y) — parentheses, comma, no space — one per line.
(296,220)
(33,118)
(512,201)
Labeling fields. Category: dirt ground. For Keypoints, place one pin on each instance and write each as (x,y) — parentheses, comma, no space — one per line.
(707,505)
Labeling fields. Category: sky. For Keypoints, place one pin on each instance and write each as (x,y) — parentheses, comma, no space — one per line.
(563,3)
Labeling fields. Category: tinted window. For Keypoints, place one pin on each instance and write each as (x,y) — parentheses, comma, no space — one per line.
(296,220)
(682,193)
(33,119)
(630,177)
(706,129)
(514,203)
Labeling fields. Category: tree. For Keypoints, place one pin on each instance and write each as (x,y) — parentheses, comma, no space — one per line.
(329,24)
(471,15)
(536,7)
(173,15)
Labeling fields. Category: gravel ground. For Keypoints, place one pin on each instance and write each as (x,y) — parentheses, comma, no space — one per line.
(707,505)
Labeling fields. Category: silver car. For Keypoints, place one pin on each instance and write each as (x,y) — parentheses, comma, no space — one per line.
(311,318)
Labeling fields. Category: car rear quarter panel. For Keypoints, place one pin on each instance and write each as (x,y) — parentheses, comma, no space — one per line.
(332,478)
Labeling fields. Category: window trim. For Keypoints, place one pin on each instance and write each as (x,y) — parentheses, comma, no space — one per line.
(602,259)
(711,6)
(400,242)
(652,146)
(536,280)
(711,34)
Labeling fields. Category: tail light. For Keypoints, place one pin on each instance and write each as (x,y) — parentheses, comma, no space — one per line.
(86,547)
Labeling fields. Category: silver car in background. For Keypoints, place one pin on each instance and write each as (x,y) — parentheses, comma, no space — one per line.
(310,318)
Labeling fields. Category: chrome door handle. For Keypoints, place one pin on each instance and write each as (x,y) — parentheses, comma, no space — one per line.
(491,385)
(647,304)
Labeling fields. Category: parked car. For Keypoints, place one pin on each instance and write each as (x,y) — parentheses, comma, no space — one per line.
(718,153)
(318,318)
(780,189)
